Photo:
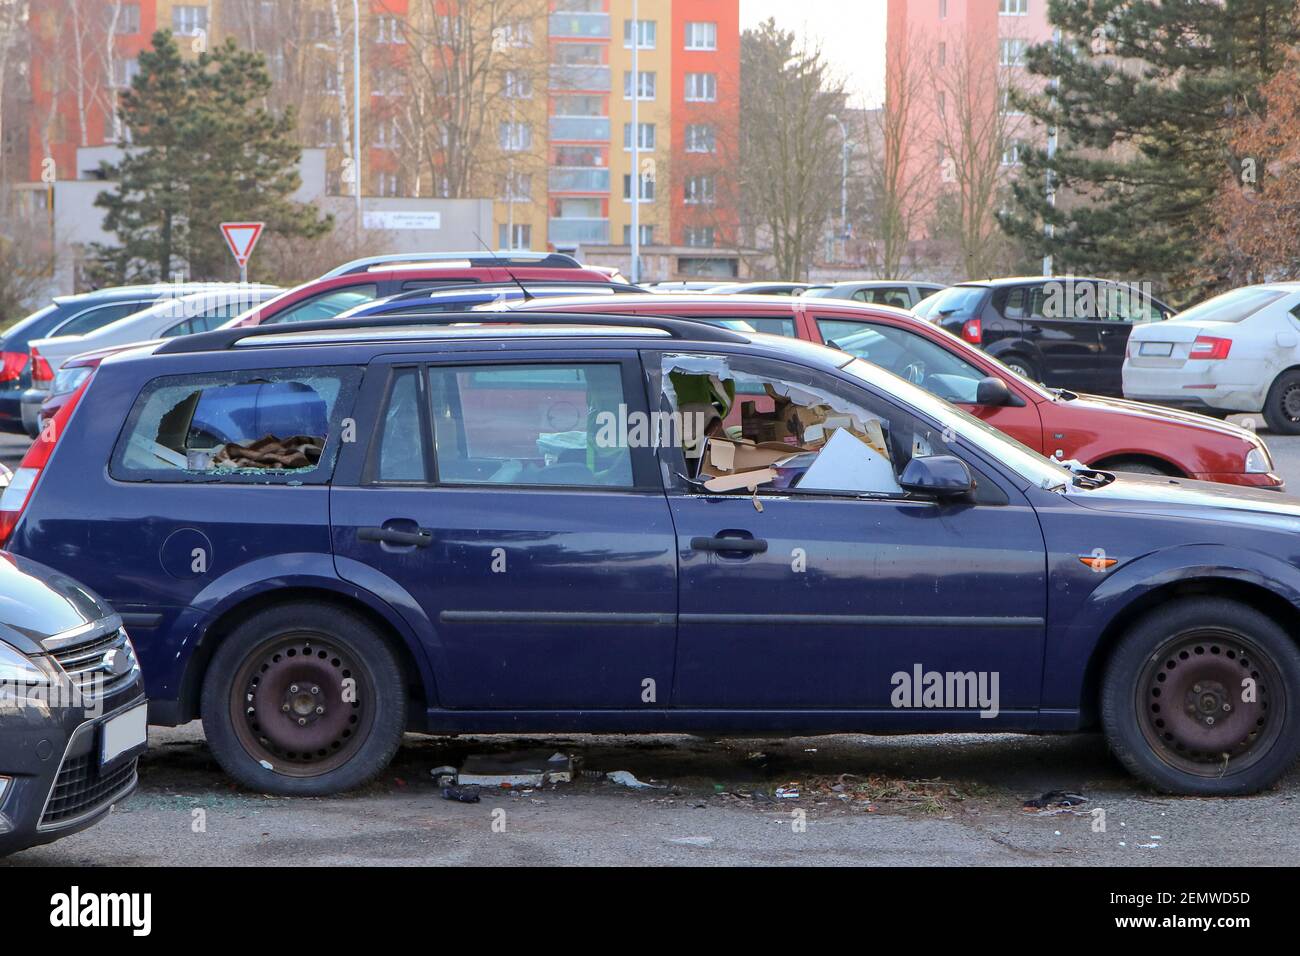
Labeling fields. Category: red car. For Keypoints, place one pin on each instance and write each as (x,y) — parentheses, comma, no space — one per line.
(378,277)
(363,280)
(1104,433)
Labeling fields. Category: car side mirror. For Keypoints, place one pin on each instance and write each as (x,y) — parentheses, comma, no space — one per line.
(992,391)
(941,476)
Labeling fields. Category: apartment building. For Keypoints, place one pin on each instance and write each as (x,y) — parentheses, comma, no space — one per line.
(528,103)
(955,55)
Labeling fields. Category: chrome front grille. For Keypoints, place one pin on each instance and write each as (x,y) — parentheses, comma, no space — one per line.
(83,788)
(99,665)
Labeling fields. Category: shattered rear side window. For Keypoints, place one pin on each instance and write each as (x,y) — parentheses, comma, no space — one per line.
(266,425)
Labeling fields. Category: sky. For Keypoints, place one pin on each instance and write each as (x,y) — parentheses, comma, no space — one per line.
(851,34)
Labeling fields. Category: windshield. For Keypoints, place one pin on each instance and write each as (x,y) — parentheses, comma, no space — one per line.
(958,300)
(1023,460)
(1232,306)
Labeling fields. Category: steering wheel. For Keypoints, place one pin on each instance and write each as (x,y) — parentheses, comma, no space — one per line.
(914,372)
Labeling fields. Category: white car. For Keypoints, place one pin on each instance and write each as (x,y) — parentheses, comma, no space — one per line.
(183,315)
(1237,352)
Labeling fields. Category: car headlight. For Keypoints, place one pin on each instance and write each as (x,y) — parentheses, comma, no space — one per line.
(17,668)
(1258,461)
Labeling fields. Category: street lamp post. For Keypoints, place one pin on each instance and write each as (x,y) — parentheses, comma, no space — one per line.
(636,143)
(356,113)
(844,185)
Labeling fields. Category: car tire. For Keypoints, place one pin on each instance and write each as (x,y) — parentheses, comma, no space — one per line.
(1174,699)
(1137,467)
(304,699)
(1282,406)
(1022,365)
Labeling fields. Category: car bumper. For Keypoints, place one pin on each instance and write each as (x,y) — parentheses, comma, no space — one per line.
(1213,386)
(57,786)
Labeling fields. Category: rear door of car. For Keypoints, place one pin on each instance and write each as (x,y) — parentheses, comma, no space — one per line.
(1067,339)
(509,507)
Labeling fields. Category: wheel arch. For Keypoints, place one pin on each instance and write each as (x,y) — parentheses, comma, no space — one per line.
(1112,460)
(1251,593)
(419,691)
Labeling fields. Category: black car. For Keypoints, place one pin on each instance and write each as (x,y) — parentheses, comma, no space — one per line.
(1064,331)
(72,706)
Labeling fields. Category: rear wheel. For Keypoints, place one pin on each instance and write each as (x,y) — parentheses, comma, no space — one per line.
(304,699)
(1022,366)
(1202,697)
(1282,407)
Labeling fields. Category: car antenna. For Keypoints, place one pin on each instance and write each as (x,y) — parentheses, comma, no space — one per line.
(528,296)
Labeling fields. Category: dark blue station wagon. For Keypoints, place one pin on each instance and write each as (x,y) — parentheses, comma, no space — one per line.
(324,536)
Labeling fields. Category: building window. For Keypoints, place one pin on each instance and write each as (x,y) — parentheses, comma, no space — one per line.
(1011,154)
(943,54)
(189,21)
(701,237)
(386,135)
(1012,52)
(701,87)
(699,190)
(701,138)
(327,131)
(645,85)
(386,184)
(124,71)
(517,187)
(647,188)
(645,136)
(515,137)
(943,104)
(701,36)
(522,238)
(128,19)
(577,104)
(385,81)
(646,34)
(388,29)
(518,34)
(1008,107)
(518,85)
(1013,8)
(647,235)
(943,9)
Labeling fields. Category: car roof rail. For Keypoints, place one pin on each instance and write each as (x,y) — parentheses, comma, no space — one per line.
(578,285)
(678,328)
(474,260)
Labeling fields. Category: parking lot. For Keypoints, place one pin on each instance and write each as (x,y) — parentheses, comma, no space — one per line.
(865,800)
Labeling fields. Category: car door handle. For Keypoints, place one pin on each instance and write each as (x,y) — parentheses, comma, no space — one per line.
(411,539)
(742,545)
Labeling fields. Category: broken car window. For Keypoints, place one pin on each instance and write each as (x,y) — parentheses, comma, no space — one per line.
(251,425)
(762,425)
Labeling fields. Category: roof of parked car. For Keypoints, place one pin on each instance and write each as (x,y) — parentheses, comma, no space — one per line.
(156,289)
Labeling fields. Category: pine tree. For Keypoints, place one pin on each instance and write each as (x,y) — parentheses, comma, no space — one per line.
(1143,94)
(203,150)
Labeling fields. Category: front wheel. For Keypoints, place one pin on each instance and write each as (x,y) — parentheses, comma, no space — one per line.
(1282,406)
(1202,697)
(304,699)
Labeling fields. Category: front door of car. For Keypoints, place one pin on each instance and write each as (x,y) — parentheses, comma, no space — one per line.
(823,585)
(510,510)
(936,368)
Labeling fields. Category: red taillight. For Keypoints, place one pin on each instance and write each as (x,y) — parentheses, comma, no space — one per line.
(1209,347)
(12,365)
(972,330)
(19,492)
(41,371)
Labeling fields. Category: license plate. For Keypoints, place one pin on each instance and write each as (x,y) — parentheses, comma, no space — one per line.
(1162,349)
(124,733)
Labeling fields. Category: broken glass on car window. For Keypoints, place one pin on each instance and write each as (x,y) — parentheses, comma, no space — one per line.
(773,431)
(249,424)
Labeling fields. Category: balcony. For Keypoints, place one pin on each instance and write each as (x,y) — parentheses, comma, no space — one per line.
(580,26)
(564,232)
(593,79)
(578,179)
(580,129)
